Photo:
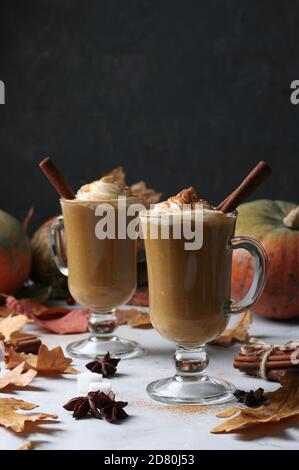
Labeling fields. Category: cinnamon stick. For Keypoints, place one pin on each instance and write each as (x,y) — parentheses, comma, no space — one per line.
(253,365)
(271,357)
(248,186)
(56,179)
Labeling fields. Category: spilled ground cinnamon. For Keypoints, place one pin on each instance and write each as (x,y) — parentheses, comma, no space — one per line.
(56,179)
(248,186)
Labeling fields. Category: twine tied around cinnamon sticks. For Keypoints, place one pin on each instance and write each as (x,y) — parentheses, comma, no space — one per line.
(268,361)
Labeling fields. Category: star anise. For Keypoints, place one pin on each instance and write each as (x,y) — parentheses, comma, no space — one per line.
(99,404)
(253,398)
(111,410)
(80,406)
(106,365)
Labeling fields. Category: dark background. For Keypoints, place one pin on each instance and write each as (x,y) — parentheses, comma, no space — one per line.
(179,93)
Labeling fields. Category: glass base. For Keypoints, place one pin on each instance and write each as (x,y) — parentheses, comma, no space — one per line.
(93,347)
(200,390)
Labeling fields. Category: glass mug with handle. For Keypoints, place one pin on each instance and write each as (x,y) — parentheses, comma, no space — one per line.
(190,300)
(101,275)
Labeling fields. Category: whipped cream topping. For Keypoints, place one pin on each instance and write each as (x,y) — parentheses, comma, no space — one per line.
(108,187)
(186,197)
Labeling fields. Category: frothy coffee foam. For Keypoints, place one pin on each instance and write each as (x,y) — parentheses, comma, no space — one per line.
(103,189)
(184,200)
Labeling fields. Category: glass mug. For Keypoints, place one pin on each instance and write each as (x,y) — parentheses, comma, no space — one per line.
(101,275)
(190,301)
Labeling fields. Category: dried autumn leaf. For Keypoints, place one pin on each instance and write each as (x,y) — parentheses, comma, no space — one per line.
(147,195)
(11,324)
(28,218)
(64,322)
(45,362)
(140,298)
(119,175)
(284,403)
(60,320)
(134,318)
(28,307)
(16,421)
(17,377)
(26,446)
(4,311)
(239,332)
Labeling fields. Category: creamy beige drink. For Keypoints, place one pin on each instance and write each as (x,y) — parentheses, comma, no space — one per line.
(101,272)
(189,289)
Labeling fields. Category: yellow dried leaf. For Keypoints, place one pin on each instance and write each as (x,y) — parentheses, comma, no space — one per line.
(11,324)
(16,421)
(26,446)
(44,362)
(239,332)
(284,403)
(17,377)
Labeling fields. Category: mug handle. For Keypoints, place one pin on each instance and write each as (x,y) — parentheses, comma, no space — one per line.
(260,273)
(58,245)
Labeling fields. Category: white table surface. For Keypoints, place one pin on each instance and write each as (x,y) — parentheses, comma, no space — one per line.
(151,425)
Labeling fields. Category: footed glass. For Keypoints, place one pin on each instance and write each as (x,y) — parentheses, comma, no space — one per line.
(101,276)
(190,301)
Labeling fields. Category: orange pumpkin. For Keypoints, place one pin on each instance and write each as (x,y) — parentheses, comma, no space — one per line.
(276,225)
(15,254)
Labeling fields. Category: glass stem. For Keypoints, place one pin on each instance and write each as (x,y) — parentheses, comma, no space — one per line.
(190,362)
(102,325)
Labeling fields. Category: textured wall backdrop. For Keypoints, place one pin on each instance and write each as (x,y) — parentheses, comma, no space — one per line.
(179,93)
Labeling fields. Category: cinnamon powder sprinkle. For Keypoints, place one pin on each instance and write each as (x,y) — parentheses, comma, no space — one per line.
(179,409)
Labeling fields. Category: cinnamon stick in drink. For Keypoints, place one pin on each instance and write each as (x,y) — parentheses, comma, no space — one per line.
(248,186)
(56,179)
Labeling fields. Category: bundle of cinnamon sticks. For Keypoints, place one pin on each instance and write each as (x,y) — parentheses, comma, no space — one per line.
(270,362)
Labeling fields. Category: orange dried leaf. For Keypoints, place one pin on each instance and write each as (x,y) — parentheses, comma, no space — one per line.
(11,324)
(118,174)
(45,362)
(13,359)
(16,421)
(239,332)
(134,318)
(17,377)
(284,403)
